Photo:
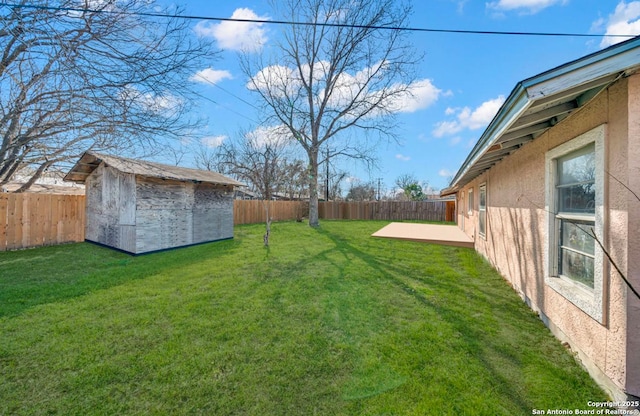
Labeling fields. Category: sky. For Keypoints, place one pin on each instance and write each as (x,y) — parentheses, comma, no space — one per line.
(462,80)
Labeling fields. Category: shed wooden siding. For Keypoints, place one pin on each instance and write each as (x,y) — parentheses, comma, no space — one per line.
(110,210)
(138,214)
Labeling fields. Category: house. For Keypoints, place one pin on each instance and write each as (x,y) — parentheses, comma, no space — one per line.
(560,161)
(245,194)
(49,182)
(139,207)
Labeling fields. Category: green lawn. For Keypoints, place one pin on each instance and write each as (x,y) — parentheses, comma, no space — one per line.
(326,321)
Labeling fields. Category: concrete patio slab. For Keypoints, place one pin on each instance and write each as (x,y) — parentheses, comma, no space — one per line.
(449,235)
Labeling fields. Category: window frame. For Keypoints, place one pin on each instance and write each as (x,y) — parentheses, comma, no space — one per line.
(590,300)
(470,202)
(482,210)
(565,217)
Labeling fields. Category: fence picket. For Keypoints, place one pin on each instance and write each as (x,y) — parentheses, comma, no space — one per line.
(30,220)
(4,216)
(386,210)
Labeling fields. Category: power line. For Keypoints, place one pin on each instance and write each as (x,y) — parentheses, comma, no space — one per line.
(224,106)
(205,79)
(340,25)
(228,92)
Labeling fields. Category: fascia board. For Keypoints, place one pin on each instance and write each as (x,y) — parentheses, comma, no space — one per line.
(583,74)
(613,59)
(511,110)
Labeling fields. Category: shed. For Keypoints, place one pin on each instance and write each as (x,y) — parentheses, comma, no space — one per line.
(138,207)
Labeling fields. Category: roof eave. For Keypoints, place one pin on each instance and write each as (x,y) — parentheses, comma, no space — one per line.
(89,161)
(516,103)
(601,68)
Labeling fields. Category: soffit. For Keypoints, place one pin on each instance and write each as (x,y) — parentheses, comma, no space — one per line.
(540,116)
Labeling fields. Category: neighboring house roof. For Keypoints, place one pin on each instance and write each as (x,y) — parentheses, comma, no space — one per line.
(246,192)
(440,198)
(540,102)
(90,161)
(37,188)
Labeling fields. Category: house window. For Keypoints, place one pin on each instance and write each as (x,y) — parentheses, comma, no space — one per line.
(470,203)
(482,210)
(575,213)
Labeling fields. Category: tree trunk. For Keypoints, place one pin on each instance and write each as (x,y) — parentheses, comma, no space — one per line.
(267,233)
(313,188)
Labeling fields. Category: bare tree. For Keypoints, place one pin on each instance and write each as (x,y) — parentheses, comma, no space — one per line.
(411,188)
(405,180)
(81,74)
(337,73)
(362,192)
(207,158)
(259,163)
(294,183)
(335,180)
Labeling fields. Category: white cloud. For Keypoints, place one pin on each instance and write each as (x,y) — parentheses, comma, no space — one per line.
(278,79)
(402,157)
(269,135)
(467,119)
(282,81)
(421,95)
(211,76)
(103,5)
(525,6)
(158,103)
(404,98)
(236,36)
(461,5)
(455,140)
(213,141)
(446,128)
(625,20)
(445,173)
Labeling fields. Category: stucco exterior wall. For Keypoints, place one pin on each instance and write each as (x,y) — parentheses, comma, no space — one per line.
(517,231)
(633,242)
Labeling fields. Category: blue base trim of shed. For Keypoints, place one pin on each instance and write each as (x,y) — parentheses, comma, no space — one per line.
(155,251)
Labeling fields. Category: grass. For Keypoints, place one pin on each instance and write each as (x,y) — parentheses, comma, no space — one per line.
(327,321)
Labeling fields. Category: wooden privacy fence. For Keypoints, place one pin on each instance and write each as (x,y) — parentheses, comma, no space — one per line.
(30,220)
(253,211)
(250,212)
(388,210)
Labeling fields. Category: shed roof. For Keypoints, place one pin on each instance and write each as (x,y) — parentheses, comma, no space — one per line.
(89,161)
(540,102)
